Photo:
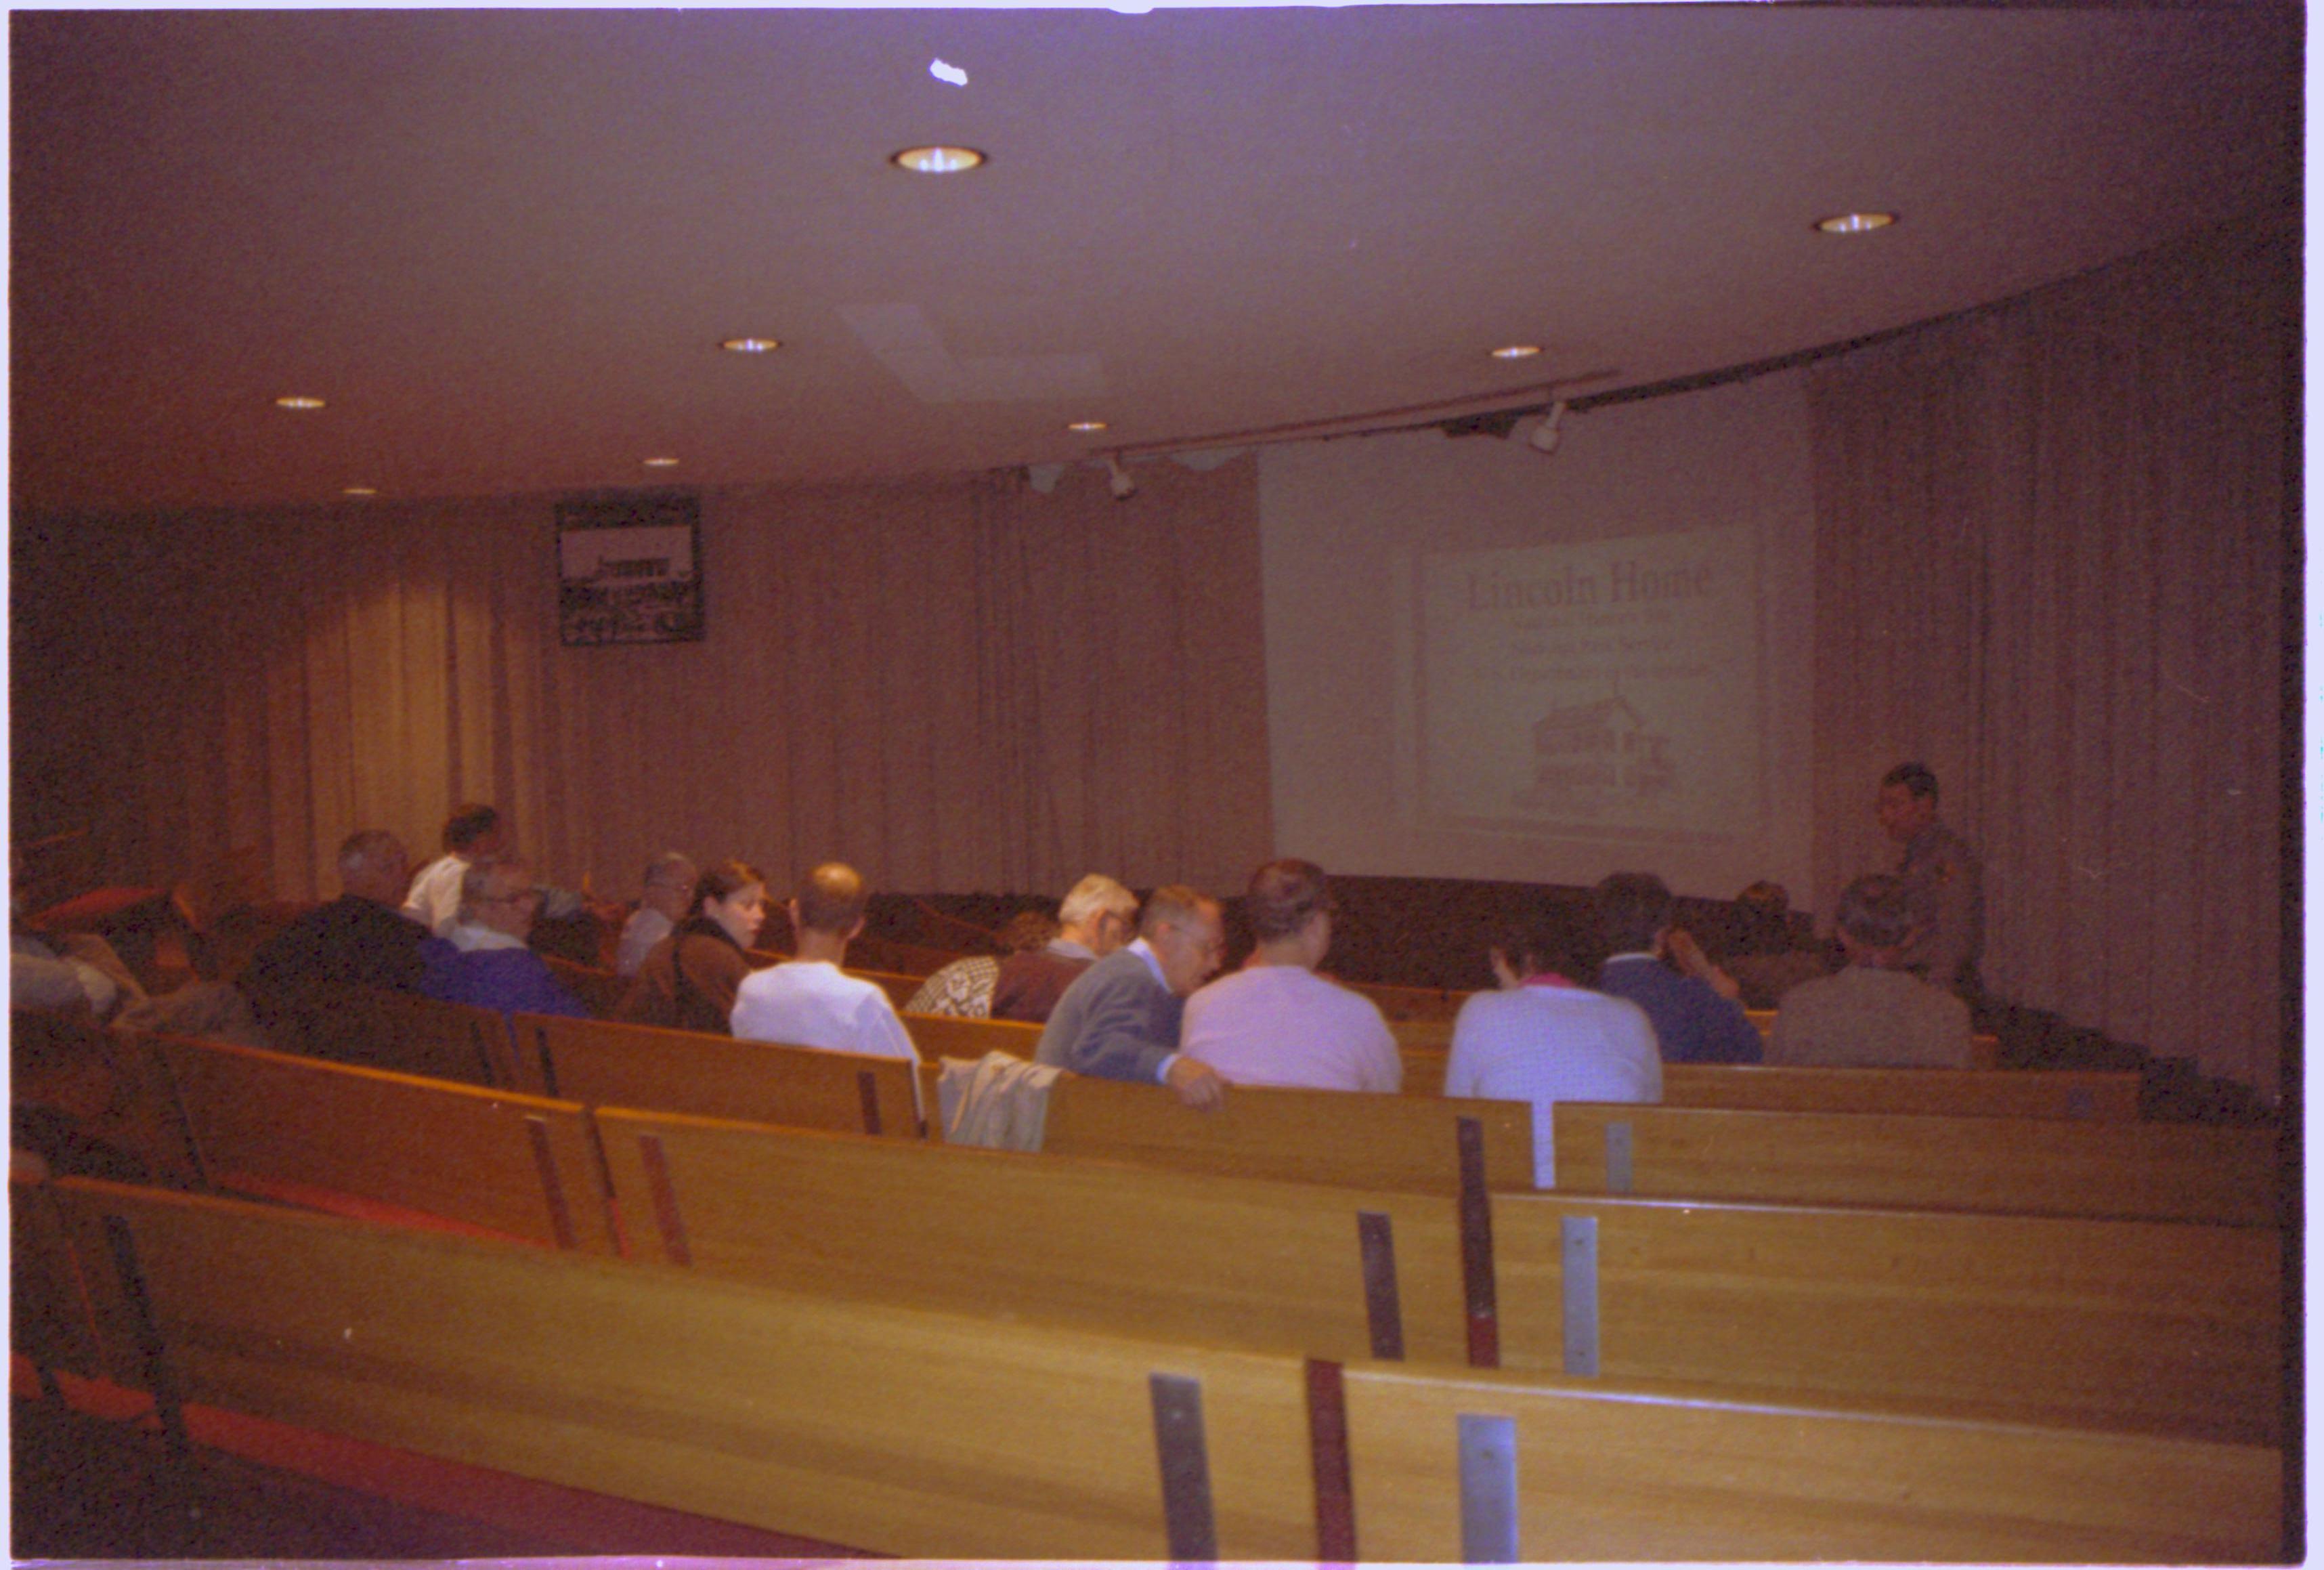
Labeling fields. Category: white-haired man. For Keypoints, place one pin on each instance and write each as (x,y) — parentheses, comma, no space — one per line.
(486,961)
(1097,916)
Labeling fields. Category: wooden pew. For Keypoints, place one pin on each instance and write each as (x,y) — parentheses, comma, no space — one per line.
(601,992)
(1401,1142)
(2099,1096)
(2035,1166)
(1682,1473)
(332,1135)
(1411,1004)
(402,1032)
(2129,1324)
(1279,1267)
(601,1063)
(894,1430)
(950,1035)
(927,1435)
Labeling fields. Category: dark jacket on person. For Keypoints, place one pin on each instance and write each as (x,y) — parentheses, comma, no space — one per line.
(688,980)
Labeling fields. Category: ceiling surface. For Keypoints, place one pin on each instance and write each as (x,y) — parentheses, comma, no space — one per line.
(502,247)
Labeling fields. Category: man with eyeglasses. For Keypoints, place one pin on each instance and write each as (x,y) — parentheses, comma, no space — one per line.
(1120,1019)
(485,959)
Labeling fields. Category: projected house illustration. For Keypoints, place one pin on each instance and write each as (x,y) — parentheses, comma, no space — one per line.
(1591,755)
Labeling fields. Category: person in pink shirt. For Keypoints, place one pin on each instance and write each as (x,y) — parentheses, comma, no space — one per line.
(1275,1021)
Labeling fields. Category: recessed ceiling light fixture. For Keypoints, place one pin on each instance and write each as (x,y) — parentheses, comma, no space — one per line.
(359,491)
(750,346)
(661,463)
(1854,223)
(1516,351)
(937,159)
(1086,427)
(298,401)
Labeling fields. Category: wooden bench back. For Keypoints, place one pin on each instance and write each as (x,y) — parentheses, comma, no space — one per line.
(1402,1143)
(1174,1255)
(950,1035)
(602,1063)
(895,1430)
(923,1434)
(1683,1474)
(293,1128)
(2035,1166)
(2122,1323)
(2097,1097)
(401,1032)
(600,991)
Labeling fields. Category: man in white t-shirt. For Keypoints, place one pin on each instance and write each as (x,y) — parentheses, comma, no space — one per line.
(808,1001)
(1275,1021)
(1541,1038)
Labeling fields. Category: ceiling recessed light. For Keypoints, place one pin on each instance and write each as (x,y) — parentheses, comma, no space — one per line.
(298,401)
(751,345)
(661,462)
(1086,427)
(937,159)
(1855,223)
(1516,351)
(359,491)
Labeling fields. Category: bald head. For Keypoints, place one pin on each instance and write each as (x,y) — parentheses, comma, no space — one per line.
(830,901)
(373,865)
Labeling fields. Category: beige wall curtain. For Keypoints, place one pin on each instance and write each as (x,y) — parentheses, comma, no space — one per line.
(958,685)
(2050,563)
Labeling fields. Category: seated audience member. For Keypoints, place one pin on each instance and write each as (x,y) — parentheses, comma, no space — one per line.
(1543,1040)
(689,980)
(473,834)
(808,1001)
(1096,918)
(359,939)
(1695,1015)
(1763,957)
(44,973)
(1874,1013)
(485,961)
(1119,1018)
(669,893)
(964,987)
(1275,1021)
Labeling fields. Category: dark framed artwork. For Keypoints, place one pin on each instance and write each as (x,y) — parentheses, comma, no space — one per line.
(629,570)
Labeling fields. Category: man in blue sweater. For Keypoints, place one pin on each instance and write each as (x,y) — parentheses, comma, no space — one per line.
(1696,1014)
(484,960)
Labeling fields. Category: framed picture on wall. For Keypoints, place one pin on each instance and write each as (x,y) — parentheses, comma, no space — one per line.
(629,570)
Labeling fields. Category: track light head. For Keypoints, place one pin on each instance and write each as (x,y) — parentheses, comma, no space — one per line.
(1542,438)
(1117,478)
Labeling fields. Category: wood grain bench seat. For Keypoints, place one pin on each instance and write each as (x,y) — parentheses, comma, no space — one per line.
(938,1435)
(2035,1166)
(602,1063)
(303,1132)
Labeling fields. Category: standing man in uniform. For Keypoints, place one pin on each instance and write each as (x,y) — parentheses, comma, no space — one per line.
(1942,877)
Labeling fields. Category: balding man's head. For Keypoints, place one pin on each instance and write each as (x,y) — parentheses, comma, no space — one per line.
(373,865)
(830,901)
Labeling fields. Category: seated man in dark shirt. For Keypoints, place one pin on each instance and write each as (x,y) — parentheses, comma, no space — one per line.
(358,939)
(1695,1016)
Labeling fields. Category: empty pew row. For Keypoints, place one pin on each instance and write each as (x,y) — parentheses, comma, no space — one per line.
(601,1063)
(2127,1324)
(2031,1166)
(924,1434)
(338,1135)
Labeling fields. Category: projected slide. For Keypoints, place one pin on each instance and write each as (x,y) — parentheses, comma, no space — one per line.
(1607,687)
